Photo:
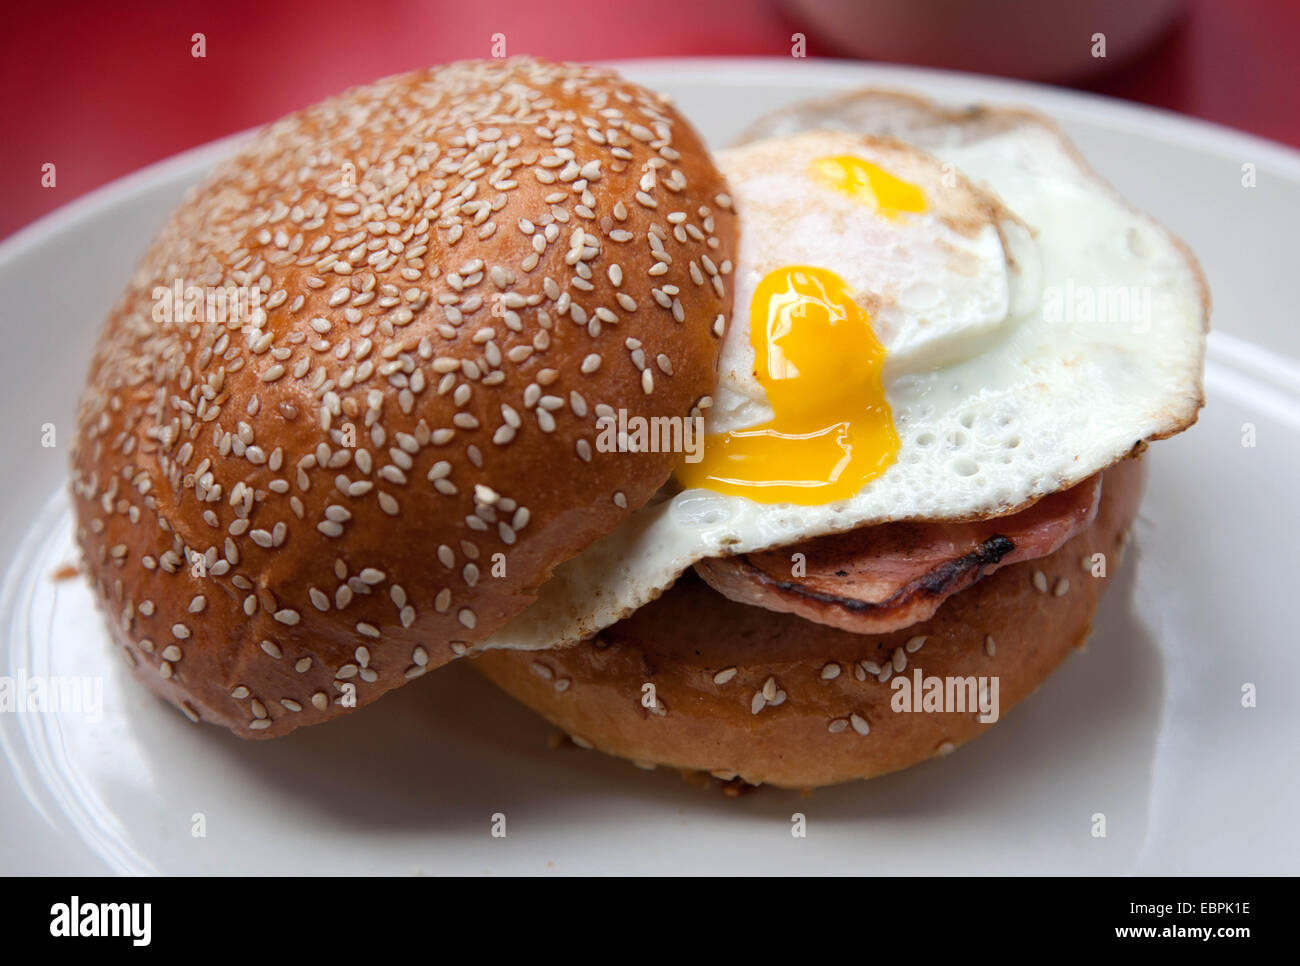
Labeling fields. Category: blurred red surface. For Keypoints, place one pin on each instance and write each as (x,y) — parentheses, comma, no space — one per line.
(103,89)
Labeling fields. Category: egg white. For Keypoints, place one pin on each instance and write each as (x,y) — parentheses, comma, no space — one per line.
(938,285)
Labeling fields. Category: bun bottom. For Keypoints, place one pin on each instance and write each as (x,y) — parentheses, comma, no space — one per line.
(698,682)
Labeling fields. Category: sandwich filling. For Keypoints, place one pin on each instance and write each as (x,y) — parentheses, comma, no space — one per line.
(931,359)
(879,579)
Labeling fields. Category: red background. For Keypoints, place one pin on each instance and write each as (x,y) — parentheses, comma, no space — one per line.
(102,88)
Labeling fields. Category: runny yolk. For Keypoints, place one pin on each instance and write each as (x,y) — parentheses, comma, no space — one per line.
(865,182)
(820,364)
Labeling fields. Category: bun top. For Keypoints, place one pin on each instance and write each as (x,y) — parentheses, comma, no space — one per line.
(343,422)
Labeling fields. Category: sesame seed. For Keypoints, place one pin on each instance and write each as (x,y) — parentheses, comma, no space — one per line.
(346,272)
(1040,581)
(725,675)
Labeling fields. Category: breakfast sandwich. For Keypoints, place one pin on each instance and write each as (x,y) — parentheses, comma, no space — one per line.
(793,464)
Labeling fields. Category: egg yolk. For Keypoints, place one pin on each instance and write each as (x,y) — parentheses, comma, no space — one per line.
(865,182)
(820,364)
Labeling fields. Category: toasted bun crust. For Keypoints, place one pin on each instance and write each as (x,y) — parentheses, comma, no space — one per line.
(288,512)
(774,699)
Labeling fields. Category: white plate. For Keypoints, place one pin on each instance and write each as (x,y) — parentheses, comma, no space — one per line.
(1146,726)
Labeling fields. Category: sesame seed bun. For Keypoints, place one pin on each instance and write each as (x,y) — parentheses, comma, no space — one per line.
(288,513)
(772,698)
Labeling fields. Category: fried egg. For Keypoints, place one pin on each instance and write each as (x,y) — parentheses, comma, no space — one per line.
(903,267)
(947,329)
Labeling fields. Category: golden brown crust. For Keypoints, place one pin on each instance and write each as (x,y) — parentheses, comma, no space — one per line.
(775,699)
(460,268)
